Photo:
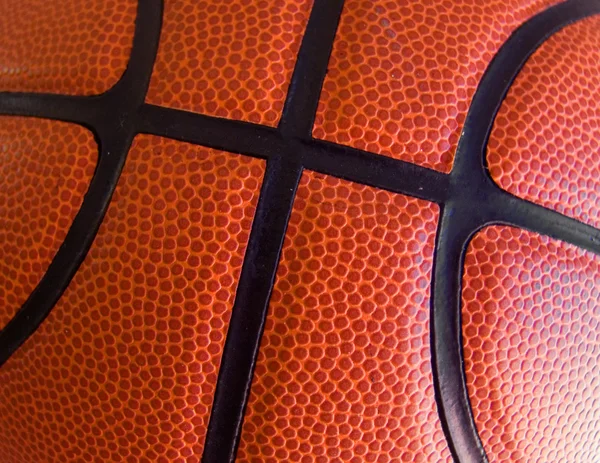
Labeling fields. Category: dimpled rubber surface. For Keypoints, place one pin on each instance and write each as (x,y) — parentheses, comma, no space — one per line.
(343,372)
(402,73)
(531,329)
(545,143)
(71,46)
(228,59)
(46,167)
(125,365)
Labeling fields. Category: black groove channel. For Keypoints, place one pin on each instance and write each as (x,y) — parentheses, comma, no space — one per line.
(266,239)
(250,309)
(114,136)
(468,198)
(474,202)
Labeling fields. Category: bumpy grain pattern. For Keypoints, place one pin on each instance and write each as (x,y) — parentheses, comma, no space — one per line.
(402,73)
(125,365)
(228,59)
(545,143)
(531,326)
(45,167)
(71,46)
(344,366)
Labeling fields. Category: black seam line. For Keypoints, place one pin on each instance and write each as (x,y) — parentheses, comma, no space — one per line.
(520,213)
(75,109)
(250,309)
(473,202)
(114,137)
(321,156)
(452,398)
(124,100)
(374,170)
(301,103)
(224,134)
(267,236)
(71,253)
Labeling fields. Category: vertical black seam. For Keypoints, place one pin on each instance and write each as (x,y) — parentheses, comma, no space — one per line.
(305,88)
(474,202)
(275,205)
(250,309)
(468,197)
(114,136)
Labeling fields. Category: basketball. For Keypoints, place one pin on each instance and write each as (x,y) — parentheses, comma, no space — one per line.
(313,231)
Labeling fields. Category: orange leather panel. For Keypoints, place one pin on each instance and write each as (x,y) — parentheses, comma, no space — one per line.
(531,321)
(125,365)
(66,46)
(46,167)
(344,370)
(228,59)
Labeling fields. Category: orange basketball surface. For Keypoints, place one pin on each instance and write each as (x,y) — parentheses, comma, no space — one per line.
(232,59)
(530,323)
(300,231)
(126,364)
(46,167)
(71,46)
(344,366)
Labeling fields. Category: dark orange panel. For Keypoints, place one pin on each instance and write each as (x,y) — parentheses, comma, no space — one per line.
(402,74)
(228,59)
(344,370)
(531,329)
(72,46)
(46,167)
(124,367)
(545,142)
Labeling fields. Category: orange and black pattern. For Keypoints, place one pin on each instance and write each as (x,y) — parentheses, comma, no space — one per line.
(344,366)
(402,74)
(143,322)
(545,144)
(46,167)
(307,231)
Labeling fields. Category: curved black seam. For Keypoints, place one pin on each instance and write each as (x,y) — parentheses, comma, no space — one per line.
(114,137)
(474,202)
(288,150)
(520,213)
(449,379)
(502,72)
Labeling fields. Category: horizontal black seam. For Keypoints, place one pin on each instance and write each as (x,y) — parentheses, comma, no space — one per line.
(456,192)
